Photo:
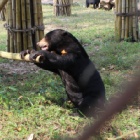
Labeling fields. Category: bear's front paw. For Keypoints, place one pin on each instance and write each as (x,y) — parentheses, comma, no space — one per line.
(24,53)
(37,57)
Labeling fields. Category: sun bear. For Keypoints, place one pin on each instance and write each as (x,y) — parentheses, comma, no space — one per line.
(62,54)
(94,2)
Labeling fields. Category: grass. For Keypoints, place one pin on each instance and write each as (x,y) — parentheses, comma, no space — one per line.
(33,102)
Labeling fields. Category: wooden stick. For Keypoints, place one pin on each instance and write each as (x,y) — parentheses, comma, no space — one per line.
(17,56)
(2,4)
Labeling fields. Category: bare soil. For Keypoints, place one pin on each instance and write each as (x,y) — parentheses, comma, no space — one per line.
(16,67)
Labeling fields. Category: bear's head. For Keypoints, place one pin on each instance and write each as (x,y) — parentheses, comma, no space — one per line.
(61,42)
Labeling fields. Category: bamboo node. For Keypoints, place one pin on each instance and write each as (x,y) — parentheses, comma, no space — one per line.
(128,14)
(33,29)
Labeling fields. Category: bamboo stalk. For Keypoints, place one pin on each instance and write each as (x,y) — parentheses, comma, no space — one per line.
(17,56)
(54,9)
(127,27)
(57,10)
(62,7)
(40,19)
(2,4)
(130,19)
(118,20)
(137,27)
(126,21)
(11,25)
(18,25)
(123,20)
(134,20)
(24,23)
(14,24)
(35,19)
(66,8)
(29,35)
(23,17)
(8,34)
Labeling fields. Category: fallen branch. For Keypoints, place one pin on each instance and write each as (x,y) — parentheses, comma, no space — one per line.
(16,56)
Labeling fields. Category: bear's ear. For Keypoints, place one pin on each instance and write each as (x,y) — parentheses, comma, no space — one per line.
(64,33)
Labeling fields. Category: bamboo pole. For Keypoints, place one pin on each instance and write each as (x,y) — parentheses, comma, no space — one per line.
(14,25)
(29,34)
(130,20)
(24,24)
(35,19)
(2,4)
(62,7)
(23,18)
(18,25)
(126,21)
(126,24)
(137,26)
(7,20)
(57,8)
(40,19)
(11,25)
(123,20)
(118,20)
(134,20)
(17,56)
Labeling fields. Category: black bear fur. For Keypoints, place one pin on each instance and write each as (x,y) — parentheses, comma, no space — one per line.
(63,54)
(94,2)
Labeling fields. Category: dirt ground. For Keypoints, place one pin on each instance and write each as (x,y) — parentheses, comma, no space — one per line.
(16,67)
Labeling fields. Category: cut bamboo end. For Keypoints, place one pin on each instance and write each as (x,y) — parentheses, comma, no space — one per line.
(17,56)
